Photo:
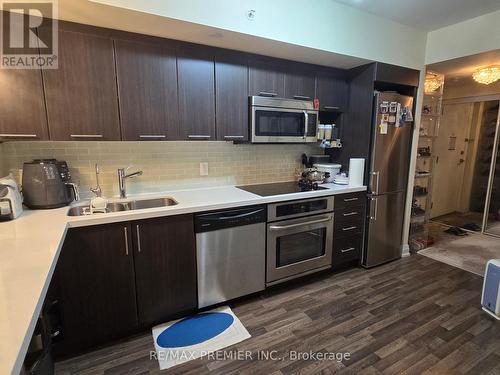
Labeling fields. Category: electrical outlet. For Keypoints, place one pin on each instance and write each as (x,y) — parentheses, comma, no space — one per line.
(203,169)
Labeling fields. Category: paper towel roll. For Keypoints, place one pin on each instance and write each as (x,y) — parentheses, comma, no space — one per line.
(356,171)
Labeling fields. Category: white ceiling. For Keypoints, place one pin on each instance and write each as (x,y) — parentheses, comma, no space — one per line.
(425,15)
(464,66)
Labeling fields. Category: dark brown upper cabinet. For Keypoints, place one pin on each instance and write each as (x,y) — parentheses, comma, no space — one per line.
(81,95)
(266,77)
(332,90)
(299,82)
(22,105)
(97,285)
(22,108)
(195,66)
(147,90)
(231,96)
(165,264)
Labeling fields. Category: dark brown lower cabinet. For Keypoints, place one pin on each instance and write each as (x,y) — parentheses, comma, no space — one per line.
(116,279)
(97,286)
(348,228)
(165,266)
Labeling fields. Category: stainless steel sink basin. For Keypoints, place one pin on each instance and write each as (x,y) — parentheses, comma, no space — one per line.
(138,204)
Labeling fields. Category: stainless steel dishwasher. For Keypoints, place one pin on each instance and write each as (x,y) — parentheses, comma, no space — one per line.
(231,253)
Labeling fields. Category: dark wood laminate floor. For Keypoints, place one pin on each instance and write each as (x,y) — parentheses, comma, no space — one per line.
(411,316)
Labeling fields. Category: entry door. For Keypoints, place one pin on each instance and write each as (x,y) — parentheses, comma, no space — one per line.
(451,153)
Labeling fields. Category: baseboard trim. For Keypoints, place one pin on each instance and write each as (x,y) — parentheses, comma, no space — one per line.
(405,250)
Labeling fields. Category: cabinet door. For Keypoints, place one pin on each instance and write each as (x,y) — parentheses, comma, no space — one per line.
(266,77)
(299,82)
(147,89)
(231,96)
(196,93)
(81,94)
(97,286)
(332,91)
(22,105)
(165,265)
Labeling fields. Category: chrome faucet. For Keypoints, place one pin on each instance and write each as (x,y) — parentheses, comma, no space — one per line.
(121,180)
(97,190)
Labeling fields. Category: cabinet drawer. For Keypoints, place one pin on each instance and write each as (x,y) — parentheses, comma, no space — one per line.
(347,249)
(348,228)
(349,214)
(346,201)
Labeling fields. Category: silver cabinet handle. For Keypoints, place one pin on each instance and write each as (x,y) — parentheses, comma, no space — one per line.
(19,135)
(266,93)
(281,227)
(302,97)
(86,136)
(377,175)
(126,240)
(350,213)
(350,199)
(331,107)
(151,136)
(198,136)
(347,250)
(138,231)
(348,228)
(234,136)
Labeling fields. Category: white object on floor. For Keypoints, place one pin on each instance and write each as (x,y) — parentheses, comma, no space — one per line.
(356,171)
(490,298)
(183,340)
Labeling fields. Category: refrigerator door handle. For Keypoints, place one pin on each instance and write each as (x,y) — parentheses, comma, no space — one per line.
(377,179)
(374,209)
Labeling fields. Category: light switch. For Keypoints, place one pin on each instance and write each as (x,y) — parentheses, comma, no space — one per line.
(203,169)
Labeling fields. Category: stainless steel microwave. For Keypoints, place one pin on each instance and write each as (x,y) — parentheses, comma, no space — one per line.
(277,120)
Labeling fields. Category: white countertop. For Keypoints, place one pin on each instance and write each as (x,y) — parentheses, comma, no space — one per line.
(30,246)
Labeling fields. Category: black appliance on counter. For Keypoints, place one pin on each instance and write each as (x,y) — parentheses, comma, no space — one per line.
(47,184)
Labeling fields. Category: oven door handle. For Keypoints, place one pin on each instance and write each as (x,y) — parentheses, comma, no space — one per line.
(281,227)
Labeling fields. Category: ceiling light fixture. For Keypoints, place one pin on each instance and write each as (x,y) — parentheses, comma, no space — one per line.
(487,75)
(433,82)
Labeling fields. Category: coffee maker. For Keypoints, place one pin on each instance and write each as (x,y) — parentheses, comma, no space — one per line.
(47,184)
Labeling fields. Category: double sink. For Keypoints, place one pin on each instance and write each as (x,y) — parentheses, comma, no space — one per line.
(128,205)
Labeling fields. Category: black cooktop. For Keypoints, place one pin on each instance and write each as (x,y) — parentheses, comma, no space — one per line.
(278,188)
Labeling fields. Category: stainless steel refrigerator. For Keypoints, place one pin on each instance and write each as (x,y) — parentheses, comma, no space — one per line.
(392,127)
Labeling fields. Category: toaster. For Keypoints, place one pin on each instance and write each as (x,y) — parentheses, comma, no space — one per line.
(11,202)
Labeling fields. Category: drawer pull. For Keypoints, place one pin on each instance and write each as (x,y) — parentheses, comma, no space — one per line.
(331,107)
(302,97)
(234,136)
(350,213)
(86,136)
(350,199)
(151,136)
(268,94)
(348,228)
(347,250)
(199,136)
(18,135)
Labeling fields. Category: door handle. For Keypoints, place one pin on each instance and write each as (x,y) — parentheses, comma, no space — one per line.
(138,231)
(375,207)
(86,135)
(377,175)
(265,93)
(281,227)
(350,199)
(125,232)
(306,123)
(18,136)
(302,97)
(350,213)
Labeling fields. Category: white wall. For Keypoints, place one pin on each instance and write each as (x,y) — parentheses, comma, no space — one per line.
(469,37)
(321,25)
